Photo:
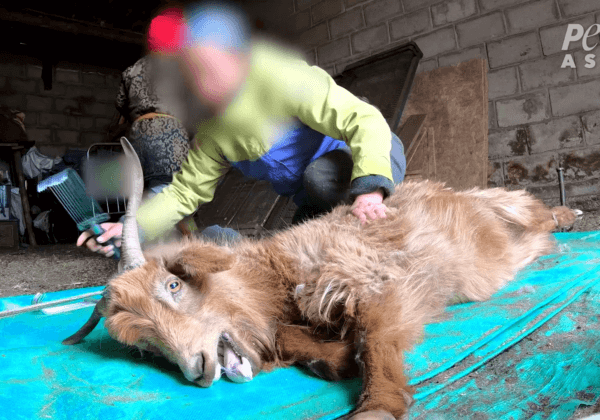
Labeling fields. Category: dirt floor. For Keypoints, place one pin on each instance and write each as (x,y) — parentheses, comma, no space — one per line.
(64,266)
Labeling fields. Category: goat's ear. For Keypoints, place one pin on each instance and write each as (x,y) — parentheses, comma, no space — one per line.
(195,261)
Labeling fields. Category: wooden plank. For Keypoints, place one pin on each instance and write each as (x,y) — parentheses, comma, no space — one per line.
(455,100)
(410,129)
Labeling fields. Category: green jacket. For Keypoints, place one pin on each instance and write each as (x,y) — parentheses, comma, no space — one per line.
(281,94)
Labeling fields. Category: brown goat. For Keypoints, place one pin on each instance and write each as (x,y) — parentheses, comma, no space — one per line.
(341,298)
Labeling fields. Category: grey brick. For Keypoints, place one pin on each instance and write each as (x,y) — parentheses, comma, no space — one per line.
(11,69)
(492,123)
(411,5)
(507,143)
(303,4)
(333,51)
(524,109)
(316,35)
(106,95)
(453,10)
(462,56)
(40,135)
(514,50)
(581,164)
(52,120)
(326,9)
(341,65)
(352,3)
(330,70)
(528,170)
(553,37)
(94,79)
(58,89)
(555,134)
(97,108)
(591,127)
(503,82)
(67,136)
(437,42)
(86,123)
(72,122)
(581,63)
(578,7)
(380,10)
(67,75)
(89,138)
(495,175)
(311,57)
(38,103)
(75,92)
(301,21)
(582,188)
(531,15)
(13,101)
(480,29)
(369,39)
(347,22)
(427,65)
(569,100)
(52,150)
(103,124)
(68,106)
(113,80)
(410,25)
(497,4)
(34,72)
(22,85)
(544,72)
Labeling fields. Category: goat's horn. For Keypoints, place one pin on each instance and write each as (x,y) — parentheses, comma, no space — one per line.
(91,323)
(131,250)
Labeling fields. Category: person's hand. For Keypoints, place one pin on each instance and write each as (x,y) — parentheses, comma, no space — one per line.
(369,206)
(112,230)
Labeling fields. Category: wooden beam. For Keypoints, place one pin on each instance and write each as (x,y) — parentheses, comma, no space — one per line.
(58,23)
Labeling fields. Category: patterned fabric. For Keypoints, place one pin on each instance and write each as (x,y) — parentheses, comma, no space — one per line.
(162,145)
(137,96)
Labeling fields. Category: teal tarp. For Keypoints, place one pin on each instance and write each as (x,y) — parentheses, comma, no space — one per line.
(459,369)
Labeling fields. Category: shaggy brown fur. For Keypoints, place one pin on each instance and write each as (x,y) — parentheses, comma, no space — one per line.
(338,297)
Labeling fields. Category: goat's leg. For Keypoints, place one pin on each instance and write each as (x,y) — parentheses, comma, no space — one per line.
(332,360)
(386,331)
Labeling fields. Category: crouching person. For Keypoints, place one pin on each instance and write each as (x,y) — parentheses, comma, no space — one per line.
(273,117)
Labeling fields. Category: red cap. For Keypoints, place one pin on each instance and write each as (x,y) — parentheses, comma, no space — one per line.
(167,31)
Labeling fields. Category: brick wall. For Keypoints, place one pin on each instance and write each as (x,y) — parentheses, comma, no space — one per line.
(541,116)
(75,113)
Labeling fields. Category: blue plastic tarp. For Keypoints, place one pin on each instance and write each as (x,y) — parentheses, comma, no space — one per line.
(460,368)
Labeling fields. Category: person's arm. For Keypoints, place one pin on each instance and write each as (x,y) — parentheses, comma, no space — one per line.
(334,111)
(192,186)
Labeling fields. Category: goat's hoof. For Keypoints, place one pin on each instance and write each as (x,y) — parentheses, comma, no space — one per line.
(373,415)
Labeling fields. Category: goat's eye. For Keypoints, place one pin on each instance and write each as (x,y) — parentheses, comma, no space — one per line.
(174,286)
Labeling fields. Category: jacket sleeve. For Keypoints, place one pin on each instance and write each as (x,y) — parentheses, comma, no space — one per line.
(193,186)
(334,111)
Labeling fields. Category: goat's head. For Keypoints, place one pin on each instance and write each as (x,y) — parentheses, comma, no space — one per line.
(184,301)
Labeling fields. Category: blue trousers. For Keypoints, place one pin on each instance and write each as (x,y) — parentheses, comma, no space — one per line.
(327,180)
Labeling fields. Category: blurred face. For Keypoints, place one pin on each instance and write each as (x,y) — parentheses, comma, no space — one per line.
(214,75)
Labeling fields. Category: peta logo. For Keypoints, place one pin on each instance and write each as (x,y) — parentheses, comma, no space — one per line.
(575,32)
